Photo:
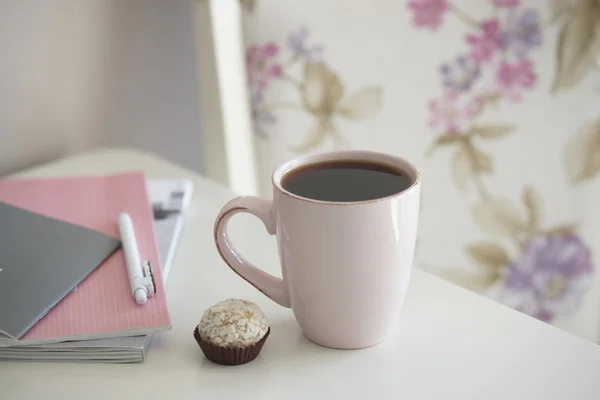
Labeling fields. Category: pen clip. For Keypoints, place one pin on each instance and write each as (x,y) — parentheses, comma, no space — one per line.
(148,280)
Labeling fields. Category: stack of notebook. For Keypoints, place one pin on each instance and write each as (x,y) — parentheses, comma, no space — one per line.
(64,288)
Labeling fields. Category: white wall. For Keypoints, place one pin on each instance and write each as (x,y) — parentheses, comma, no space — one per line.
(151,93)
(76,74)
(48,77)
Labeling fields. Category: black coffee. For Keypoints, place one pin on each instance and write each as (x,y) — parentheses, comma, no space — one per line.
(345,181)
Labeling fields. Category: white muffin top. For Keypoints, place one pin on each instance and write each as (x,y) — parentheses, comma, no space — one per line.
(233,323)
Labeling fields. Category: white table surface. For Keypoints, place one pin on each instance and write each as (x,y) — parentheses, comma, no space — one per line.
(450,343)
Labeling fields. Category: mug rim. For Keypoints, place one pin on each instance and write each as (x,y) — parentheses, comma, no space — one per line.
(349,155)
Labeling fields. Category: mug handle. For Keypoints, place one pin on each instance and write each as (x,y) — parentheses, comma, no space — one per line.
(271,286)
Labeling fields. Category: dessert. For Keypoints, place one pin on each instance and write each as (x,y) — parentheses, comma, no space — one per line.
(232,332)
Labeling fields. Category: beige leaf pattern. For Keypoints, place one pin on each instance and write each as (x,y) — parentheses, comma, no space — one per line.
(492,98)
(320,132)
(443,140)
(578,44)
(582,153)
(557,8)
(498,215)
(322,89)
(488,255)
(483,162)
(447,139)
(462,167)
(491,131)
(475,282)
(565,229)
(365,103)
(533,202)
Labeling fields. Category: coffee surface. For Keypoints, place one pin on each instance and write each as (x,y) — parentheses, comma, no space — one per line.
(345,181)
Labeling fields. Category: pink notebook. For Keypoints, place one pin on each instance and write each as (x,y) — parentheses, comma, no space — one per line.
(102,305)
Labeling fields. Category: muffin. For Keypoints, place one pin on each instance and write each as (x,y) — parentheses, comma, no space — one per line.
(232,332)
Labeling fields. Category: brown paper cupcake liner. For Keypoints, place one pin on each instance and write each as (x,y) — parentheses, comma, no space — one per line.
(230,355)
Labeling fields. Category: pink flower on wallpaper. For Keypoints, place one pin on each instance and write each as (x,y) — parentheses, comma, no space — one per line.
(261,64)
(474,107)
(428,13)
(513,79)
(447,114)
(486,44)
(506,3)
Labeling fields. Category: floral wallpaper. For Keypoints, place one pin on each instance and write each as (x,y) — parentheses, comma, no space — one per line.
(543,270)
(539,268)
(321,94)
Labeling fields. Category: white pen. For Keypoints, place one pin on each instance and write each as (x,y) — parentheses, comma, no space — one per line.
(140,274)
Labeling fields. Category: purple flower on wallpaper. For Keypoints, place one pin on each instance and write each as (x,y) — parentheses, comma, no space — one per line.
(461,74)
(550,277)
(260,115)
(261,64)
(522,32)
(297,42)
(428,13)
(487,43)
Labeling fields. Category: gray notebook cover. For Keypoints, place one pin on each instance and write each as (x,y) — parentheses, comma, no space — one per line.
(41,260)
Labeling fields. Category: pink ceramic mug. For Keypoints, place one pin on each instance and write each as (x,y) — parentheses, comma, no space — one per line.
(345,266)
